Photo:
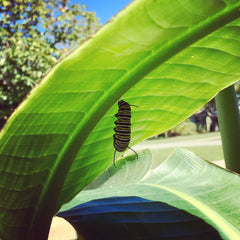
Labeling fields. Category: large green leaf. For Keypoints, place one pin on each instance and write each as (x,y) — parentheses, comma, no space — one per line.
(184,181)
(167,57)
(171,92)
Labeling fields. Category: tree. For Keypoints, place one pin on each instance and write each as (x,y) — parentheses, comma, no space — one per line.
(35,34)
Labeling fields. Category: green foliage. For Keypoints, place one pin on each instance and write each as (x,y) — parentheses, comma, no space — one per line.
(60,139)
(33,36)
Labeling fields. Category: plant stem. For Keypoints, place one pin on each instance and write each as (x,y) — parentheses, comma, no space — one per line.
(229,124)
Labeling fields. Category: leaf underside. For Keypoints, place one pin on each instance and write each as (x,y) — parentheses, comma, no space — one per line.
(184,181)
(136,218)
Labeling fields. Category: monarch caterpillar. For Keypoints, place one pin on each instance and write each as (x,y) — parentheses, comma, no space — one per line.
(121,138)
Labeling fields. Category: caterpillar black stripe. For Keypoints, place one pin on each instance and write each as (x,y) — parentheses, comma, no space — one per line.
(122,135)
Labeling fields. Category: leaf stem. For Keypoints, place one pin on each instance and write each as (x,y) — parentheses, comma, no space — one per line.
(229,123)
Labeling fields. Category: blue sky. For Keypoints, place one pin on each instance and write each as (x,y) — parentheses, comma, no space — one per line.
(105,9)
